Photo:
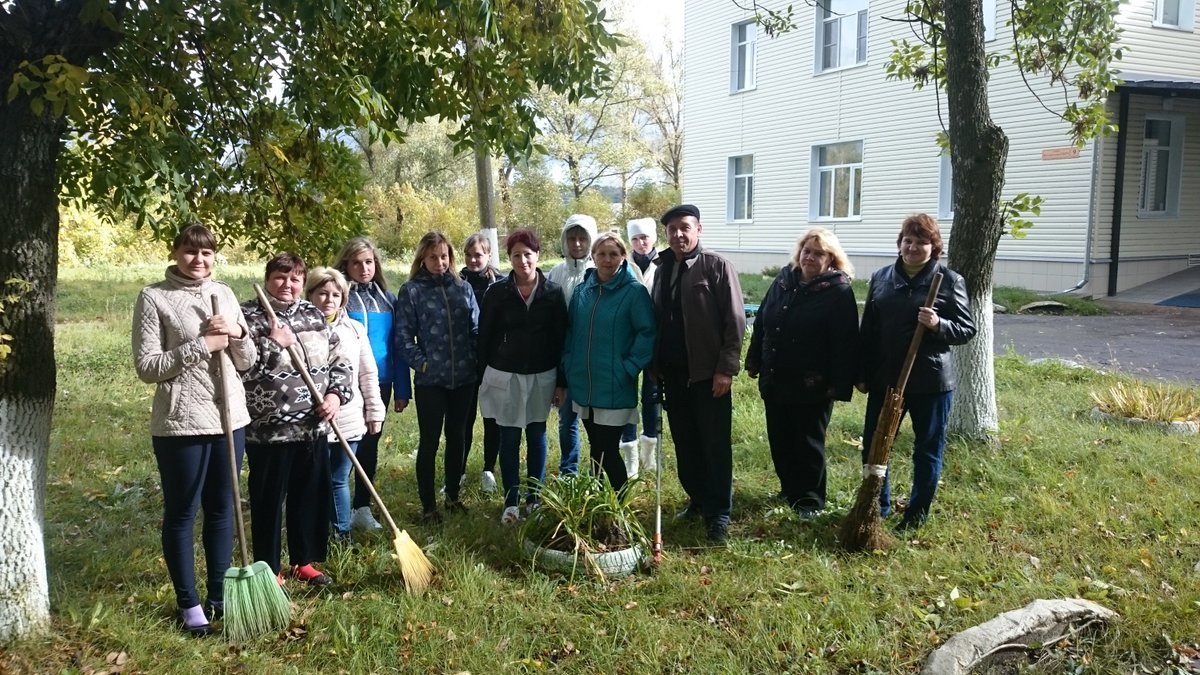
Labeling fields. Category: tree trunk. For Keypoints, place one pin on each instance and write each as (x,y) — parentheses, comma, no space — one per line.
(29,149)
(978,152)
(485,194)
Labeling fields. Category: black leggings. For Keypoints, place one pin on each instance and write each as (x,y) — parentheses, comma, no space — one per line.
(368,455)
(605,443)
(440,408)
(491,436)
(194,472)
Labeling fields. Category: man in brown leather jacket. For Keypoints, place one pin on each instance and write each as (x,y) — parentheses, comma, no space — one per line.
(701,323)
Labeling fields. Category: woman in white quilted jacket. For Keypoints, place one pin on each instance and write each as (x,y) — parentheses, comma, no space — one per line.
(329,291)
(176,343)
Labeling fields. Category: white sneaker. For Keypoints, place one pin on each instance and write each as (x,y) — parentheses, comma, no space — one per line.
(487,483)
(510,516)
(462,480)
(629,452)
(361,519)
(646,447)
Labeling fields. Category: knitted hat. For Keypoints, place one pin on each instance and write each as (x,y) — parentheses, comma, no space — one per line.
(641,226)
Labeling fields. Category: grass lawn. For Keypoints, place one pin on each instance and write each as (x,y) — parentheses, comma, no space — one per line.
(1068,507)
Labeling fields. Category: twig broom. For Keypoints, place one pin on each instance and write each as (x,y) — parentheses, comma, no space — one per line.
(415,568)
(254,602)
(862,528)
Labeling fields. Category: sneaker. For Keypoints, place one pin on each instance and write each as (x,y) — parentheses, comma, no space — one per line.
(692,512)
(629,455)
(199,626)
(511,516)
(462,480)
(431,516)
(718,533)
(311,575)
(455,506)
(809,514)
(487,483)
(530,507)
(647,447)
(361,519)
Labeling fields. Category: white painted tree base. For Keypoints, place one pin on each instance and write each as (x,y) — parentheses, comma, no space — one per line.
(1037,622)
(24,442)
(974,413)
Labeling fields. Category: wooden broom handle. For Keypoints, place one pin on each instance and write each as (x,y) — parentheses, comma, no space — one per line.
(911,357)
(318,396)
(227,426)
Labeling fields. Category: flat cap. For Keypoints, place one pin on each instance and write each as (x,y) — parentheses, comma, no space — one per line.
(681,210)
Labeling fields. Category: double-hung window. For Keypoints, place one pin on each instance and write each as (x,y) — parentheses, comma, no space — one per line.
(743,54)
(836,191)
(1179,14)
(741,189)
(841,33)
(1162,164)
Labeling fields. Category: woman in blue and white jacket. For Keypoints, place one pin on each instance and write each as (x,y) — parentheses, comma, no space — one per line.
(371,304)
(438,324)
(610,341)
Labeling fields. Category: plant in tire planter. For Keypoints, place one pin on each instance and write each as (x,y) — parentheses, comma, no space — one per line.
(584,524)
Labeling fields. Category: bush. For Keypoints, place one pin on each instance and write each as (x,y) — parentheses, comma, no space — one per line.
(86,240)
(1149,401)
(596,205)
(651,200)
(402,214)
(536,203)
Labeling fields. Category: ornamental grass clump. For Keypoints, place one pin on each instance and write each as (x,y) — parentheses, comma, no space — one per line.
(1149,401)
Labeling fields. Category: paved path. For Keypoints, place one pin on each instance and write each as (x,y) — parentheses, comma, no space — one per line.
(1161,345)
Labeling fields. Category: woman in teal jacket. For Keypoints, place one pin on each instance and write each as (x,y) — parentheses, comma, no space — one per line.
(610,341)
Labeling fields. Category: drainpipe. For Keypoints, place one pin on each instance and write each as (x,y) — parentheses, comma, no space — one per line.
(1097,154)
(1114,246)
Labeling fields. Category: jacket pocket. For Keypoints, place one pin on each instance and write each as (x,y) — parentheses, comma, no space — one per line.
(166,400)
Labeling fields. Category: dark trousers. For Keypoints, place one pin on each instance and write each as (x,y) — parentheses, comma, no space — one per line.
(440,408)
(491,436)
(700,427)
(194,472)
(651,412)
(929,413)
(510,461)
(605,442)
(368,456)
(297,472)
(796,433)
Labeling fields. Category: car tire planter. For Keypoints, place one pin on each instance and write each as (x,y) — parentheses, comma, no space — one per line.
(610,563)
(1174,428)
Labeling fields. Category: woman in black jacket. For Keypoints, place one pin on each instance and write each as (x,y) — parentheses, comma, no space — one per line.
(804,353)
(521,331)
(893,311)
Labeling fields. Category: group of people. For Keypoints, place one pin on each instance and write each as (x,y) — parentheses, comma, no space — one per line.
(510,348)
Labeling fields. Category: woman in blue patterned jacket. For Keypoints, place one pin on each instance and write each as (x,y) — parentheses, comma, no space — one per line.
(438,323)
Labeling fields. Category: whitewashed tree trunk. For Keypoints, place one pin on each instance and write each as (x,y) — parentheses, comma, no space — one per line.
(24,440)
(974,413)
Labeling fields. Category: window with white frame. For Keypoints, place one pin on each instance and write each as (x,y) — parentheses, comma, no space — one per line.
(836,191)
(945,188)
(1175,14)
(741,188)
(743,54)
(1162,164)
(841,33)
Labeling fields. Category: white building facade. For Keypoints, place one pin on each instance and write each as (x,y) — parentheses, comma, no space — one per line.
(803,130)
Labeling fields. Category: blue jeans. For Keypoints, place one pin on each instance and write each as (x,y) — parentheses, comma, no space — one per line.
(929,414)
(194,472)
(339,475)
(510,460)
(651,412)
(568,438)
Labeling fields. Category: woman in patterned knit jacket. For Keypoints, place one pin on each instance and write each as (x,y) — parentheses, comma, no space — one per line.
(286,442)
(176,343)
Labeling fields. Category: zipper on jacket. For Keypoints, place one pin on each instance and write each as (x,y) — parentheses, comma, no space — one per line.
(591,334)
(450,330)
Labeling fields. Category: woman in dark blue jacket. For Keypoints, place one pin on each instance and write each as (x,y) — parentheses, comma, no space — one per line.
(804,353)
(893,311)
(610,341)
(521,330)
(371,304)
(438,325)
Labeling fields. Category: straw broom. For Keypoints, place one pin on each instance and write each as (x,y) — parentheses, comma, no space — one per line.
(415,568)
(862,529)
(254,602)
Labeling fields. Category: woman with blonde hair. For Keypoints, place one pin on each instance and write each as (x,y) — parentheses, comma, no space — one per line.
(438,327)
(328,291)
(804,353)
(373,305)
